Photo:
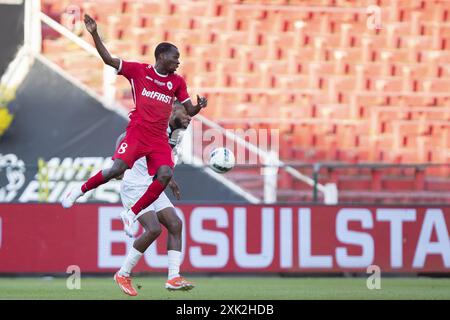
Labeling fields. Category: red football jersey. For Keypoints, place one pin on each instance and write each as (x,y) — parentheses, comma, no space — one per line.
(153,95)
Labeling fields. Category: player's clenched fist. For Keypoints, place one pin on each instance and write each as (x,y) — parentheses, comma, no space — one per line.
(202,101)
(90,23)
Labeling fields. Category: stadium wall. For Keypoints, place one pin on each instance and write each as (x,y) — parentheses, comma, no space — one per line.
(44,238)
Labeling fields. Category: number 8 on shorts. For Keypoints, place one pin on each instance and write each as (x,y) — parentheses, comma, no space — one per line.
(122,148)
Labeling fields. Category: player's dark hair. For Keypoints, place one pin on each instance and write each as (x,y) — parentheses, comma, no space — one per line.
(163,47)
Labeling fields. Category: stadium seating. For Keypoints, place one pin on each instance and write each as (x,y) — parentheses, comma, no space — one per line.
(317,70)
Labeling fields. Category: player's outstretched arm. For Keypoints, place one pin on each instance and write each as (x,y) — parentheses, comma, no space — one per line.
(91,26)
(192,110)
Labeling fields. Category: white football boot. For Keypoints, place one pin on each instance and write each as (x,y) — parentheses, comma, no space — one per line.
(128,219)
(71,197)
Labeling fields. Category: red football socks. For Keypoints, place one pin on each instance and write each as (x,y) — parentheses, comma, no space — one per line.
(152,193)
(93,182)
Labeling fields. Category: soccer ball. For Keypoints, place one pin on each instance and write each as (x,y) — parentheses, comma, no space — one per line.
(221,160)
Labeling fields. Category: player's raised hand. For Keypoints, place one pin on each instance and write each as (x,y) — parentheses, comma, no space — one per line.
(175,189)
(202,101)
(90,23)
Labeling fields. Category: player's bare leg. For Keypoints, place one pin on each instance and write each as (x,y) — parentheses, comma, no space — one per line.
(152,230)
(164,175)
(174,225)
(116,170)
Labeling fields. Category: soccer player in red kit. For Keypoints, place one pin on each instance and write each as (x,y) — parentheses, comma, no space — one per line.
(154,88)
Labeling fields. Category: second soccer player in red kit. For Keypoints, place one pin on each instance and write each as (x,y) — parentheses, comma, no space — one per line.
(154,88)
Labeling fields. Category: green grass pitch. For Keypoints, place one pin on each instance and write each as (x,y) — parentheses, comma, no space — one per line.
(230,288)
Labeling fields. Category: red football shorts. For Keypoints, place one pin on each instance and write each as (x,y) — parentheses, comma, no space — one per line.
(136,145)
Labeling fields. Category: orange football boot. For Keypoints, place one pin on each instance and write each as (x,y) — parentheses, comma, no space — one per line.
(179,283)
(125,284)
